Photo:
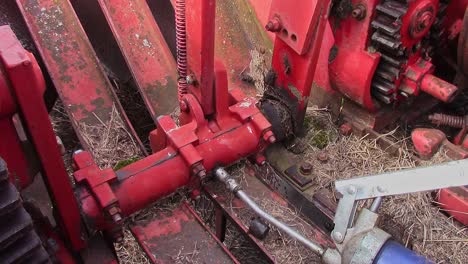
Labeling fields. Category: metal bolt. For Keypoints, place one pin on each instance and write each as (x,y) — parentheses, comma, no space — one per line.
(322,156)
(183,106)
(346,129)
(116,218)
(272,139)
(201,174)
(380,189)
(269,137)
(337,236)
(306,168)
(190,79)
(359,12)
(260,159)
(352,189)
(274,25)
(424,21)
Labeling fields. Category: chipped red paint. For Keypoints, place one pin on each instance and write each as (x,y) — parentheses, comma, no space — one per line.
(455,202)
(427,141)
(183,152)
(351,37)
(71,62)
(178,233)
(146,52)
(438,88)
(28,87)
(297,48)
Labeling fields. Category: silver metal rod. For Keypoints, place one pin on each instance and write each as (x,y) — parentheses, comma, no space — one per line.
(224,177)
(376,204)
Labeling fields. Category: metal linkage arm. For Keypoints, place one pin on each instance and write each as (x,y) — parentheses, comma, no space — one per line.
(450,174)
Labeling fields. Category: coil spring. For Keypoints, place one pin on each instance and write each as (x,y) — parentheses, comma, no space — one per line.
(181,44)
(449,120)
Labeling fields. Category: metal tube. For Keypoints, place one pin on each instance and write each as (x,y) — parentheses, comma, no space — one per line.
(376,204)
(233,186)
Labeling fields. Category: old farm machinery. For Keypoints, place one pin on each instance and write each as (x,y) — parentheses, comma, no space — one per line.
(374,64)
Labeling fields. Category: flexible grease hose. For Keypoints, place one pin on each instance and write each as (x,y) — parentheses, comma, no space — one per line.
(181,43)
(231,184)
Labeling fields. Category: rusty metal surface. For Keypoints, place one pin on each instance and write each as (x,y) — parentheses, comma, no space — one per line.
(180,235)
(145,51)
(308,207)
(72,64)
(238,32)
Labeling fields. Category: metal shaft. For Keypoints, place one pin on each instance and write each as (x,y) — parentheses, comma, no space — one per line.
(223,176)
(376,204)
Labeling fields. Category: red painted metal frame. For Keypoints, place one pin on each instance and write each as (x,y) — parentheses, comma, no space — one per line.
(146,52)
(184,152)
(237,33)
(11,149)
(455,202)
(351,39)
(80,81)
(27,86)
(180,231)
(201,50)
(295,65)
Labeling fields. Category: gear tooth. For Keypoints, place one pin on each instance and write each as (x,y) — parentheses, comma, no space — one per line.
(383,86)
(393,9)
(383,98)
(386,39)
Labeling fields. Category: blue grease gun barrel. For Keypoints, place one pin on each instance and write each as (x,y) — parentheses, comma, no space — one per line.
(393,252)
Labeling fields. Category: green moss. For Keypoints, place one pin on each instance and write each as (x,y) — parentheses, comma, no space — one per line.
(320,139)
(308,122)
(126,162)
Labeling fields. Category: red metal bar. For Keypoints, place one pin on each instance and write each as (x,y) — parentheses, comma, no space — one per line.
(72,64)
(297,48)
(237,33)
(438,88)
(200,50)
(146,52)
(10,145)
(28,86)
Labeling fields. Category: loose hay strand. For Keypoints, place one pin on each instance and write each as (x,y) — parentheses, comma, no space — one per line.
(110,142)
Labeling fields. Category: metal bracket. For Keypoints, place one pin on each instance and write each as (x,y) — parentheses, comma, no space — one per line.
(450,174)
